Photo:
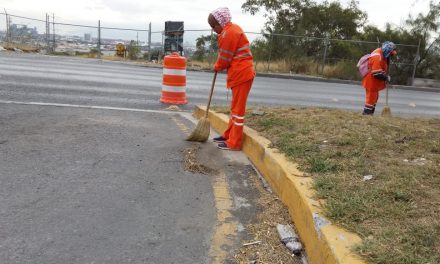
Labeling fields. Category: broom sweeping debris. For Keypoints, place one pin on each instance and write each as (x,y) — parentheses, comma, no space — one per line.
(386,111)
(201,132)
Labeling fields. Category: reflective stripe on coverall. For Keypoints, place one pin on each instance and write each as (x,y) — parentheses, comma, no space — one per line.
(376,63)
(235,55)
(234,133)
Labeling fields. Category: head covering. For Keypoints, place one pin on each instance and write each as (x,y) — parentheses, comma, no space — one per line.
(222,15)
(388,49)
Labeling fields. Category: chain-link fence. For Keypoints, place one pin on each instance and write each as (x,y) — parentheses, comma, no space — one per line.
(273,52)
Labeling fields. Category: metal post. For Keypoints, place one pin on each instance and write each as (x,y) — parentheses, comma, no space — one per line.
(415,63)
(47,35)
(326,42)
(149,42)
(7,27)
(210,55)
(163,47)
(99,39)
(53,32)
(270,53)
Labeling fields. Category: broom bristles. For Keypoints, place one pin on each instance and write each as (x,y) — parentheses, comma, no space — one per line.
(386,111)
(201,132)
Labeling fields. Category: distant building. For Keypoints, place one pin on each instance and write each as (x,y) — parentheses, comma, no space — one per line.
(87,37)
(23,30)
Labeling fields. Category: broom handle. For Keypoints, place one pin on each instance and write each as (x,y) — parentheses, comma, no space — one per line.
(210,94)
(386,95)
(387,85)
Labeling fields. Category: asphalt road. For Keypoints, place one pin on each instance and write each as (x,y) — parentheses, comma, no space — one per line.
(93,82)
(92,171)
(91,167)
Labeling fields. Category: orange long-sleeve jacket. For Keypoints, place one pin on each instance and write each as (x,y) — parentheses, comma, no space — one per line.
(234,55)
(376,63)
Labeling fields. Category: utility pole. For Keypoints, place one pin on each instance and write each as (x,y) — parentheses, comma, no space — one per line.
(47,34)
(7,27)
(99,39)
(326,43)
(211,50)
(53,32)
(149,42)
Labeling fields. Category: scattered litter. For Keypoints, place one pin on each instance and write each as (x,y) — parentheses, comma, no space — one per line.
(412,104)
(418,161)
(18,50)
(258,113)
(368,177)
(335,100)
(325,141)
(253,262)
(2,49)
(252,243)
(289,238)
(240,228)
(403,140)
(191,163)
(173,108)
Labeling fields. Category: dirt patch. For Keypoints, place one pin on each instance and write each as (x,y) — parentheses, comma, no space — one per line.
(265,245)
(192,164)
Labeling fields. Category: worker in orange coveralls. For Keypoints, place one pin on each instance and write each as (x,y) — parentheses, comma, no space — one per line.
(234,55)
(378,76)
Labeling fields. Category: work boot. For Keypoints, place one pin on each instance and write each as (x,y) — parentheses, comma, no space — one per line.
(219,139)
(223,146)
(368,110)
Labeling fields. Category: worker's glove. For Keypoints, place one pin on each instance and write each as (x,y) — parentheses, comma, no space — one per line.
(388,78)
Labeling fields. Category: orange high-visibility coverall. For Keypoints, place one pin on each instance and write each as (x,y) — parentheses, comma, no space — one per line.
(376,63)
(235,55)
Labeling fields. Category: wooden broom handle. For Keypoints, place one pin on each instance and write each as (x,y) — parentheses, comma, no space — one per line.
(210,94)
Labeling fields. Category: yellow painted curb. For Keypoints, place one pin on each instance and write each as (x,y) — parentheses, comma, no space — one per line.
(324,242)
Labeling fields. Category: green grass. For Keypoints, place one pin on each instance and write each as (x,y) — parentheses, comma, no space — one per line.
(397,213)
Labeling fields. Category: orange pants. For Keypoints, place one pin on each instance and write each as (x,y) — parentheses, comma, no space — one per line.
(371,98)
(234,132)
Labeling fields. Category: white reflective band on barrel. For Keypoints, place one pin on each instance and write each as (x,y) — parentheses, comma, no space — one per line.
(238,124)
(176,89)
(174,72)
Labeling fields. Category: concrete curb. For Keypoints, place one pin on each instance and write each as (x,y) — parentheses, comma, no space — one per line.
(324,242)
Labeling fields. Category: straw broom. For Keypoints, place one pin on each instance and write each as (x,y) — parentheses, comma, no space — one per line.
(386,111)
(201,132)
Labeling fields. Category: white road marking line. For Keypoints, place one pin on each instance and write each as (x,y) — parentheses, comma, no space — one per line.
(92,107)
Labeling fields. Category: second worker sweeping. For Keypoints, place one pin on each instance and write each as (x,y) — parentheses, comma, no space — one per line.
(234,55)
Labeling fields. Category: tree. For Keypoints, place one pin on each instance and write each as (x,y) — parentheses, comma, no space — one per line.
(306,18)
(133,50)
(201,47)
(426,29)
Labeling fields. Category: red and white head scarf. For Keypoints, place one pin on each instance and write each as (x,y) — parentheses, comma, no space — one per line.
(222,15)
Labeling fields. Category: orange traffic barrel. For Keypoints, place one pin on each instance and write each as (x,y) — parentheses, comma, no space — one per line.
(174,80)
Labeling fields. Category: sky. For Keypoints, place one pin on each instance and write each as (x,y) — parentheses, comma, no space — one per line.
(138,13)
